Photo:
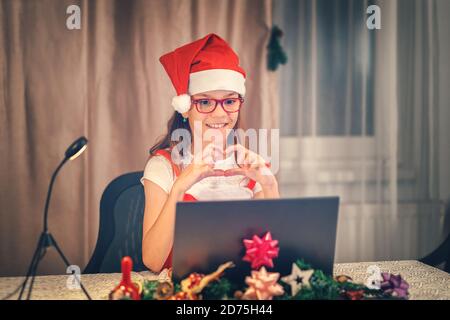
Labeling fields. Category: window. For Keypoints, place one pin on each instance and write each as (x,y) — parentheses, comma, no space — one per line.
(327,86)
(328,136)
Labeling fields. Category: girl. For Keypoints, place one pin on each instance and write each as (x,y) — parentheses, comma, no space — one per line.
(210,85)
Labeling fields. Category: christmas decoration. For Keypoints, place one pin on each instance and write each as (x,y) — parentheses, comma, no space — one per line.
(303,283)
(298,278)
(164,290)
(275,53)
(262,285)
(343,278)
(126,289)
(261,251)
(195,283)
(191,288)
(355,295)
(217,290)
(394,285)
(182,296)
(149,289)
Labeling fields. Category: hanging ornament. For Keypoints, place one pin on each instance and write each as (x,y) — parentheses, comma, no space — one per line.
(262,285)
(298,279)
(261,251)
(275,53)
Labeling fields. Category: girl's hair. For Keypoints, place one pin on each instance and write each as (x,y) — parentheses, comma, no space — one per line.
(176,122)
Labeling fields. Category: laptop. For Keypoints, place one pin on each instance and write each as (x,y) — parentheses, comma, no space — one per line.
(210,233)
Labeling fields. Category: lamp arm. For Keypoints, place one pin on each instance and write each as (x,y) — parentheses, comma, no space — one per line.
(49,192)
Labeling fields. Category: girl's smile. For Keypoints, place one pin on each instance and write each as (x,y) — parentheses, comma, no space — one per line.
(217,125)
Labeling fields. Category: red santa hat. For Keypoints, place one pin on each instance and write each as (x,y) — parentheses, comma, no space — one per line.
(203,65)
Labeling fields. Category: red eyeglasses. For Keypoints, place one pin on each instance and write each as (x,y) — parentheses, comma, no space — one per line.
(208,105)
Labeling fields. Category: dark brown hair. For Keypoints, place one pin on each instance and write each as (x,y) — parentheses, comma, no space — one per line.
(175,122)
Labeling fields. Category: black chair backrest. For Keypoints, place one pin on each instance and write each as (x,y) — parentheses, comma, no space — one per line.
(120,227)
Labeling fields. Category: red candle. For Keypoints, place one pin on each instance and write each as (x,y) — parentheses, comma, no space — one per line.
(126,289)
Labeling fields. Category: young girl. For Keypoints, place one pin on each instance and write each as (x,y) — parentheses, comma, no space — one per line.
(210,87)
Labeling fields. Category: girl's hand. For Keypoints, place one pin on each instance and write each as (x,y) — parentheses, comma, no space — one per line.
(253,166)
(201,167)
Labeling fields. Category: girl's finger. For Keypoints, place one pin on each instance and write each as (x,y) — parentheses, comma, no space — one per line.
(265,171)
(236,148)
(200,155)
(218,172)
(251,161)
(241,153)
(208,160)
(245,156)
(235,172)
(256,159)
(214,151)
(210,172)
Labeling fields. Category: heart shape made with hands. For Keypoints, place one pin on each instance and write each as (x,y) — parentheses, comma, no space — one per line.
(220,155)
(229,172)
(239,171)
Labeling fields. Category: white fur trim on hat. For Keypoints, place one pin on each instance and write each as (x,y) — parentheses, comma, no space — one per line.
(216,79)
(181,103)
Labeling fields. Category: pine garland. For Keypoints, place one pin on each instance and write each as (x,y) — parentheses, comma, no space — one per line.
(218,290)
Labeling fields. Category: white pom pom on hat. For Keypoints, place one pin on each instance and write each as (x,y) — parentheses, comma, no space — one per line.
(181,103)
(204,65)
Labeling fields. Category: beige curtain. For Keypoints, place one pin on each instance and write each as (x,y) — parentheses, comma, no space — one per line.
(105,82)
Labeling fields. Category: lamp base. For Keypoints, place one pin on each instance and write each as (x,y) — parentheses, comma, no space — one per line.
(46,240)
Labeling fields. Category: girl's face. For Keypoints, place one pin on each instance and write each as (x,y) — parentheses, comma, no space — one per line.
(218,121)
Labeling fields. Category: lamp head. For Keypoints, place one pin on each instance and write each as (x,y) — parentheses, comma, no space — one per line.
(76,148)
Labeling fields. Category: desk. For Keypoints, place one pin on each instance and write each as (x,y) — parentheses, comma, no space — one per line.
(425,282)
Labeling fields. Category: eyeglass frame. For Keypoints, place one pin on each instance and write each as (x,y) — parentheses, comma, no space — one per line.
(217,101)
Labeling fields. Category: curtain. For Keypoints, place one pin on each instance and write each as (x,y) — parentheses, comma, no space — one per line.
(103,81)
(360,119)
(423,126)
